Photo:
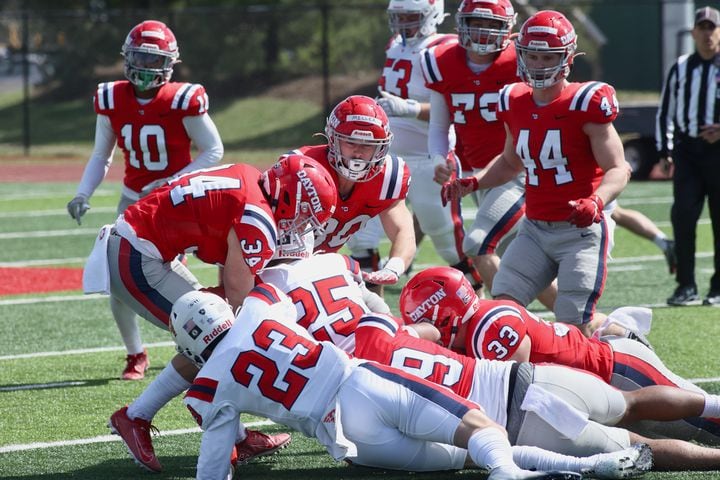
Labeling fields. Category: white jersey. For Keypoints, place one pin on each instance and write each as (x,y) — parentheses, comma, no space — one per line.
(327,295)
(269,366)
(402,76)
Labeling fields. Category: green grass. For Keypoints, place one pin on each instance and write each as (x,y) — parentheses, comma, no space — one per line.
(683,337)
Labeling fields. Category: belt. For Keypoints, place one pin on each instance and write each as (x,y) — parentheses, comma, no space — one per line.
(511,386)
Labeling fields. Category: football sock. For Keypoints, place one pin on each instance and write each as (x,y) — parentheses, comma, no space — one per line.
(127,324)
(712,406)
(660,240)
(534,458)
(166,386)
(490,448)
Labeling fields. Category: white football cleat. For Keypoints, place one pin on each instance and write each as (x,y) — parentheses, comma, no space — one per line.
(629,463)
(518,474)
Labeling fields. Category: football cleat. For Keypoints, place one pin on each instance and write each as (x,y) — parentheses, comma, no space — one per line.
(258,444)
(135,432)
(518,474)
(136,366)
(629,463)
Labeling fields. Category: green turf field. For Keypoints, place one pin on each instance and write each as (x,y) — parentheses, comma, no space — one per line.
(61,354)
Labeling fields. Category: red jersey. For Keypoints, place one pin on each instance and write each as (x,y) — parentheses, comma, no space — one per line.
(499,326)
(196,212)
(471,98)
(152,136)
(379,338)
(550,141)
(366,199)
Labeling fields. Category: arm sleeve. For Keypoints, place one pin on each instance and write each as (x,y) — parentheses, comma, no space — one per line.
(216,446)
(664,126)
(101,158)
(204,134)
(439,125)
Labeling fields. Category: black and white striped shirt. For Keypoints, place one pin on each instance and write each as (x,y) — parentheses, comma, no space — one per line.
(690,99)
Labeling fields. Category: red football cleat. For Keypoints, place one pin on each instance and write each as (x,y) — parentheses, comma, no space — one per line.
(136,366)
(136,435)
(258,444)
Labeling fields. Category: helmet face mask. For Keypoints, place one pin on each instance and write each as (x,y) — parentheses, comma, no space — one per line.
(414,20)
(358,125)
(441,296)
(150,52)
(547,33)
(303,197)
(484,26)
(198,321)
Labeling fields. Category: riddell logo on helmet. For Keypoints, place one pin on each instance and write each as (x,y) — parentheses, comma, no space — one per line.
(364,118)
(429,302)
(311,191)
(217,331)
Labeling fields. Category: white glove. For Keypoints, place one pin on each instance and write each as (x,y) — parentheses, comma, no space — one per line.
(388,275)
(395,106)
(77,207)
(153,185)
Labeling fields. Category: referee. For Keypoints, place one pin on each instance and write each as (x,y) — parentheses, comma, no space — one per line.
(688,136)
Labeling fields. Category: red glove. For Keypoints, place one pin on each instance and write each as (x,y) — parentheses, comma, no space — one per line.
(586,211)
(457,188)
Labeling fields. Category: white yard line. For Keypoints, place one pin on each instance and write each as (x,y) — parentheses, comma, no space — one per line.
(79,351)
(107,438)
(52,213)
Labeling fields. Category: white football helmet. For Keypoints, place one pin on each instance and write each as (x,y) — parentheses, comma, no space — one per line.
(198,321)
(414,20)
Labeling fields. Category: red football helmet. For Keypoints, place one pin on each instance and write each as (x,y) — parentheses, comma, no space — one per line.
(415,19)
(546,32)
(441,296)
(360,121)
(150,51)
(484,40)
(302,196)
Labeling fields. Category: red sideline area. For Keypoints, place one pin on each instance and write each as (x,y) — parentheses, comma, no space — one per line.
(15,281)
(50,171)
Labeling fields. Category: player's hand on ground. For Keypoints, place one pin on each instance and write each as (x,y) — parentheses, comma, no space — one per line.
(77,208)
(458,188)
(586,211)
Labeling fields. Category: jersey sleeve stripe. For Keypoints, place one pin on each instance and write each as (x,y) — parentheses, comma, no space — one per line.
(258,218)
(105,96)
(203,389)
(504,101)
(581,99)
(352,265)
(382,322)
(392,181)
(181,100)
(429,66)
(266,293)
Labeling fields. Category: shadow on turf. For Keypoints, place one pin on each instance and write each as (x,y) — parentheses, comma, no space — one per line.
(52,385)
(184,467)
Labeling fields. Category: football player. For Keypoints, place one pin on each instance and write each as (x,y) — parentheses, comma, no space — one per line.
(405,99)
(362,412)
(550,406)
(233,216)
(369,182)
(562,134)
(154,122)
(503,330)
(464,78)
